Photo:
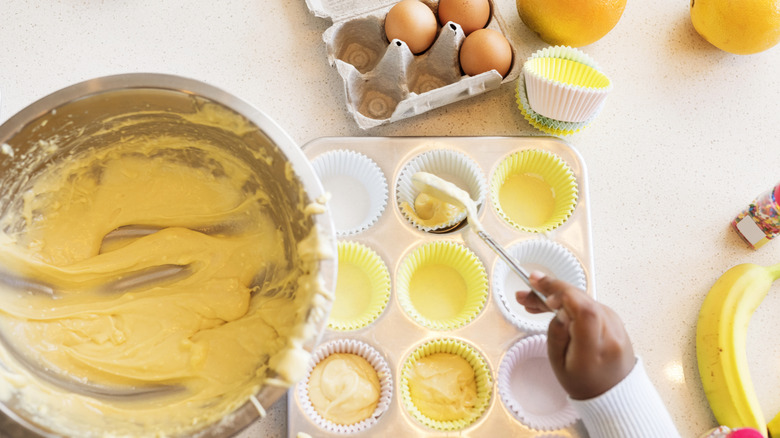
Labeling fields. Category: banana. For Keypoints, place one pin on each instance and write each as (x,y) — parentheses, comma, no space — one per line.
(720,344)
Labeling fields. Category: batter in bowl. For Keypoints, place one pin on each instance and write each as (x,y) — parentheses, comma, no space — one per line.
(202,341)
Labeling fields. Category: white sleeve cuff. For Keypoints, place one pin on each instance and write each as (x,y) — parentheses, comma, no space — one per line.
(630,409)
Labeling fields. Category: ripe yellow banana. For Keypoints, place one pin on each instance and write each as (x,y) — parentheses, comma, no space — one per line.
(720,344)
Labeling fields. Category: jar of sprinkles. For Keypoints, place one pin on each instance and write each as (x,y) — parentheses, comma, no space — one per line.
(760,222)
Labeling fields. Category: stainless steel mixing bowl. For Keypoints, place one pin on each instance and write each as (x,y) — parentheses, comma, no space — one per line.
(85,116)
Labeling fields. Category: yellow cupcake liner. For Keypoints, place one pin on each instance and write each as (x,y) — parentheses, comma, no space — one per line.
(444,254)
(547,166)
(482,378)
(358,257)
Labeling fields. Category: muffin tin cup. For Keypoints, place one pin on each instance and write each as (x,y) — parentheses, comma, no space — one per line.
(454,166)
(374,358)
(428,282)
(541,255)
(352,179)
(482,378)
(395,334)
(553,180)
(529,390)
(363,277)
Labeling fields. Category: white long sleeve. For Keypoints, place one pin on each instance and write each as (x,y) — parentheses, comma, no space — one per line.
(631,409)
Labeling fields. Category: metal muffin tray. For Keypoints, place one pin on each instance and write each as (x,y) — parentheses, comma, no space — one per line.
(395,334)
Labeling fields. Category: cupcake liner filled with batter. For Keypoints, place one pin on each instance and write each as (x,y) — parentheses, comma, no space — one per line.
(542,255)
(357,186)
(442,285)
(534,190)
(347,388)
(362,287)
(528,387)
(445,384)
(430,214)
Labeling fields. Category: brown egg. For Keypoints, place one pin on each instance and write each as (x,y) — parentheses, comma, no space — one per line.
(469,14)
(484,50)
(412,22)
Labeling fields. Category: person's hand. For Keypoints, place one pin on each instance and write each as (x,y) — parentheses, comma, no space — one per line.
(588,346)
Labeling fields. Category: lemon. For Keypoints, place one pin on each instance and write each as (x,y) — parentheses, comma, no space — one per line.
(572,23)
(741,27)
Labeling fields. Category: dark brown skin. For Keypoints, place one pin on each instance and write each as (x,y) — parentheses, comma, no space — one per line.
(587,344)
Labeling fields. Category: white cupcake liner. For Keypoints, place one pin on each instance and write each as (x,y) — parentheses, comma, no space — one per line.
(451,165)
(557,100)
(546,124)
(529,390)
(374,358)
(343,173)
(534,255)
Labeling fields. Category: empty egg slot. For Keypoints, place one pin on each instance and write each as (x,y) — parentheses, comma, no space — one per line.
(439,66)
(376,94)
(360,43)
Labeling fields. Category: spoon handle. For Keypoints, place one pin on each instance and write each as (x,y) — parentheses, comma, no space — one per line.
(514,265)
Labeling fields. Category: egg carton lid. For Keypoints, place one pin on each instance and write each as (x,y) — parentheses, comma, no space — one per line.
(338,10)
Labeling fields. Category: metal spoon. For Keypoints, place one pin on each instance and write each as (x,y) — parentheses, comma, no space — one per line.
(141,278)
(90,389)
(449,192)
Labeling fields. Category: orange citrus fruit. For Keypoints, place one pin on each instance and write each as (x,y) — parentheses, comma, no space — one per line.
(572,23)
(741,27)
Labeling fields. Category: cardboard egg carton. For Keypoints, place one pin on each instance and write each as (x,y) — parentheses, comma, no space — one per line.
(383,80)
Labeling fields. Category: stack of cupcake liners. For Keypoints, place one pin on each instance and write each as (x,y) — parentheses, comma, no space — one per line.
(561,90)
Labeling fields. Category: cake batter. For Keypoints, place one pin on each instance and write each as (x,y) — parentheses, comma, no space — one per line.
(207,338)
(344,388)
(443,387)
(431,212)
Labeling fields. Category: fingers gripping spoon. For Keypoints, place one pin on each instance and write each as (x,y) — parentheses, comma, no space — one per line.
(449,192)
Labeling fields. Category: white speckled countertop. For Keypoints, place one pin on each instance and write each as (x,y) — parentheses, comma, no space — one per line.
(686,140)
